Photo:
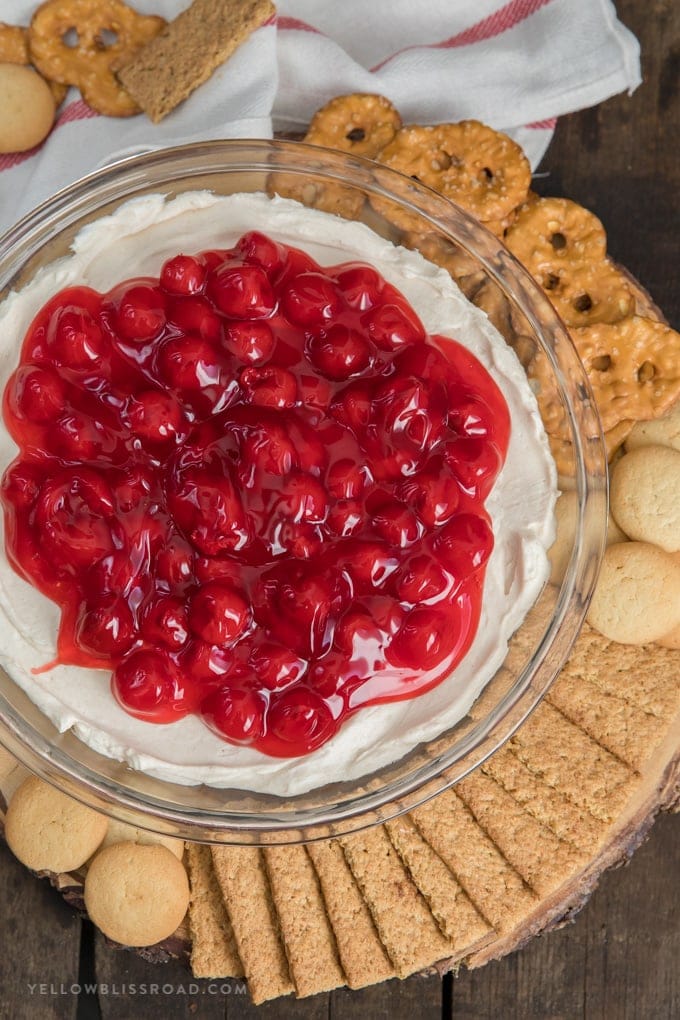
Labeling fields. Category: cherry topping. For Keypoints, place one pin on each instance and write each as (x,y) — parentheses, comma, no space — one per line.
(255,489)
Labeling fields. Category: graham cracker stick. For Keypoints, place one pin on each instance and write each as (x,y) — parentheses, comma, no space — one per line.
(405,924)
(542,859)
(456,916)
(213,946)
(307,935)
(493,885)
(187,51)
(245,887)
(569,760)
(361,952)
(549,806)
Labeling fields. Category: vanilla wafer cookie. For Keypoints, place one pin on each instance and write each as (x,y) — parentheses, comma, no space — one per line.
(542,859)
(213,946)
(547,805)
(361,952)
(456,916)
(663,431)
(637,596)
(406,926)
(307,935)
(247,896)
(495,888)
(645,496)
(568,759)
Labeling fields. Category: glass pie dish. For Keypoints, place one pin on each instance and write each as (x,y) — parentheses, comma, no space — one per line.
(404,212)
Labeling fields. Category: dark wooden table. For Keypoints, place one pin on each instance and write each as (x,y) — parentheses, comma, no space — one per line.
(620,960)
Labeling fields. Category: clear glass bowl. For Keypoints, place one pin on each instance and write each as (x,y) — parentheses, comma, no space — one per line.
(408,213)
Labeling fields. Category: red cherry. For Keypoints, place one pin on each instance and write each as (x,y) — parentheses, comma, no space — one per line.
(475,462)
(392,326)
(235,713)
(21,484)
(37,393)
(106,627)
(242,292)
(346,479)
(260,249)
(71,516)
(139,313)
(174,564)
(250,342)
(353,406)
(361,286)
(196,315)
(113,573)
(355,631)
(339,352)
(346,517)
(190,363)
(182,275)
(148,686)
(218,613)
(303,498)
(134,487)
(300,718)
(311,299)
(208,509)
(75,338)
(412,413)
(425,639)
(468,416)
(270,448)
(434,494)
(421,579)
(209,664)
(166,622)
(302,541)
(276,666)
(464,544)
(156,417)
(396,523)
(269,386)
(369,564)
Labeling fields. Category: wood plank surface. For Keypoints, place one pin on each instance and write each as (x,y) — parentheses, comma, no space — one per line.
(619,960)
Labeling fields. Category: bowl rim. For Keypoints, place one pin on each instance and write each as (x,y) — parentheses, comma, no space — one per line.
(123,180)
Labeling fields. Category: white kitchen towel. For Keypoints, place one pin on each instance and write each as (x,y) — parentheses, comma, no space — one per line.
(517,65)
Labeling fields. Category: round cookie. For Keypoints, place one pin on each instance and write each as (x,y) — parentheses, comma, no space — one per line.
(645,495)
(637,596)
(49,831)
(121,832)
(671,640)
(27,108)
(663,431)
(566,515)
(136,894)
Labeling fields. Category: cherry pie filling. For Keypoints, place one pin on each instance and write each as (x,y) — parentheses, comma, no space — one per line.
(255,488)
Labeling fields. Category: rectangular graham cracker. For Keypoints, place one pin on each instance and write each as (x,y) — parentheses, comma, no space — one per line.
(622,728)
(492,884)
(361,952)
(245,887)
(549,806)
(213,946)
(308,938)
(187,51)
(542,859)
(643,675)
(458,919)
(407,929)
(569,760)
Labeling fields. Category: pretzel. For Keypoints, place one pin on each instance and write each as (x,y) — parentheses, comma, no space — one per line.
(553,232)
(360,123)
(90,64)
(14,50)
(331,198)
(469,163)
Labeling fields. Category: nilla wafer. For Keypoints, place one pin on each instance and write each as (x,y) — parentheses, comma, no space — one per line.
(627,606)
(645,495)
(27,108)
(136,893)
(49,831)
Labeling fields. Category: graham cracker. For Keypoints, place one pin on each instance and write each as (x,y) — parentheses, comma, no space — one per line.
(213,946)
(569,760)
(407,929)
(186,52)
(498,892)
(549,806)
(361,952)
(612,667)
(624,729)
(308,938)
(542,859)
(243,880)
(458,919)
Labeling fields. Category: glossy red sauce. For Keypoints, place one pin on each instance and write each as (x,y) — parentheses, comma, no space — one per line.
(256,490)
